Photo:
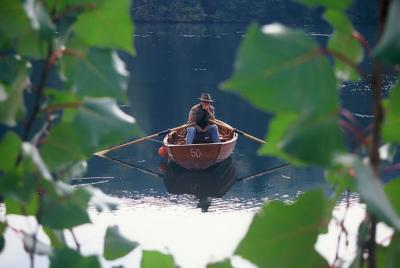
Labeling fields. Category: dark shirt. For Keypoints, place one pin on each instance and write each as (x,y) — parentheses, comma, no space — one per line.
(199,116)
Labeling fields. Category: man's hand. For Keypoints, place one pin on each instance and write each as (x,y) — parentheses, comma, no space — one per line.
(205,129)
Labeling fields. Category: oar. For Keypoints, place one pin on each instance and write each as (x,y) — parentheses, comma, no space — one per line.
(244,134)
(101,153)
(262,173)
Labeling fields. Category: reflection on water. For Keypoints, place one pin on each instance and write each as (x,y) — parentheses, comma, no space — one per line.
(203,184)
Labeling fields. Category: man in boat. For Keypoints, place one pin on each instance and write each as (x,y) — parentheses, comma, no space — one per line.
(199,115)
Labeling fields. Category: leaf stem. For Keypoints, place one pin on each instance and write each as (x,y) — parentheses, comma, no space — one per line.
(374,156)
(78,246)
(342,57)
(39,93)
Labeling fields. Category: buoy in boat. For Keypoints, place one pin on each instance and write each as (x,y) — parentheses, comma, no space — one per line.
(163,151)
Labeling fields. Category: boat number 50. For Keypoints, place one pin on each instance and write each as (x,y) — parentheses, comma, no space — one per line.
(195,153)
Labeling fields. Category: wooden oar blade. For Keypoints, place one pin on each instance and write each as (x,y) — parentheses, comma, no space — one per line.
(102,153)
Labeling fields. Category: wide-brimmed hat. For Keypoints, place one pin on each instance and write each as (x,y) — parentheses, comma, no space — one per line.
(206,97)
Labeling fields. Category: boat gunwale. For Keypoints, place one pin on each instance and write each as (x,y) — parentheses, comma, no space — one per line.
(234,138)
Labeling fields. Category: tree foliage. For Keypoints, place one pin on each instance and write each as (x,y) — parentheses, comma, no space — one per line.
(51,129)
(285,72)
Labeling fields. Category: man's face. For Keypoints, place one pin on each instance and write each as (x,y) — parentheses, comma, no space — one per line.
(205,105)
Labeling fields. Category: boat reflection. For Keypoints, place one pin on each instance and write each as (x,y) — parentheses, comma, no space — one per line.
(213,182)
(204,184)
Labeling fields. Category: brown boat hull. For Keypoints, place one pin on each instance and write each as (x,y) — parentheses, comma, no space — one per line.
(200,156)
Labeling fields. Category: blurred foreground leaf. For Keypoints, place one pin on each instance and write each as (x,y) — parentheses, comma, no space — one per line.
(284,235)
(371,192)
(98,123)
(100,73)
(10,148)
(64,206)
(13,19)
(66,258)
(108,26)
(342,41)
(13,108)
(391,126)
(282,70)
(116,245)
(156,259)
(388,48)
(389,257)
(221,264)
(392,191)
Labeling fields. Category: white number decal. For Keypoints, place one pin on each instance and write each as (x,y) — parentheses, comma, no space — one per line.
(195,153)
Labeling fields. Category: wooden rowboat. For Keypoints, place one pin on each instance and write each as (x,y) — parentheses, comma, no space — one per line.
(200,155)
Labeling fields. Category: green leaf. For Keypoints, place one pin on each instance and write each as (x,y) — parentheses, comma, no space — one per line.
(342,41)
(10,67)
(30,24)
(303,139)
(221,264)
(276,130)
(392,192)
(314,139)
(339,4)
(371,192)
(391,126)
(20,183)
(56,237)
(282,70)
(59,97)
(388,48)
(33,163)
(72,5)
(99,74)
(103,121)
(13,19)
(22,207)
(66,208)
(284,235)
(3,92)
(66,258)
(389,257)
(17,187)
(39,18)
(98,123)
(115,245)
(32,45)
(156,259)
(108,26)
(10,148)
(12,109)
(64,146)
(2,242)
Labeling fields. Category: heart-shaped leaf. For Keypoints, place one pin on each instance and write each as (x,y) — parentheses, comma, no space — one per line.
(116,245)
(282,230)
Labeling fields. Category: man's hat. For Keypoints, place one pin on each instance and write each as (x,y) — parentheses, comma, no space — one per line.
(206,97)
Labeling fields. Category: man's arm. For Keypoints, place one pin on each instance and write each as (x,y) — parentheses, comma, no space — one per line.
(193,118)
